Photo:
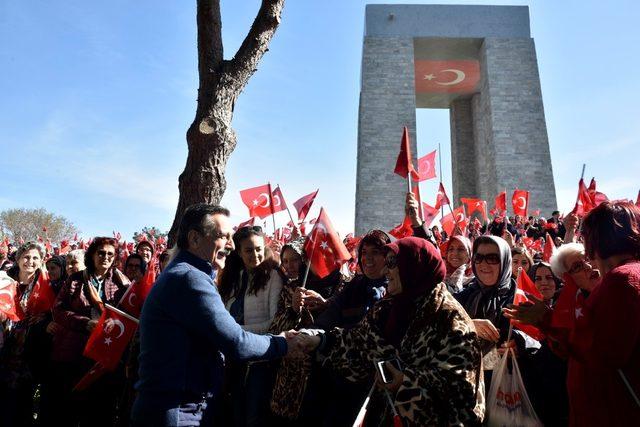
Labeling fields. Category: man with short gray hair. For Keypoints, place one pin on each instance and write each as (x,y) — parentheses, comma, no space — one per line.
(185,328)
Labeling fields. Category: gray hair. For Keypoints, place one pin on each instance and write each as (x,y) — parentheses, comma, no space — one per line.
(29,246)
(557,261)
(77,254)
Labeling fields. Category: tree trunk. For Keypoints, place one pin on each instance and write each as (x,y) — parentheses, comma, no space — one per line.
(210,138)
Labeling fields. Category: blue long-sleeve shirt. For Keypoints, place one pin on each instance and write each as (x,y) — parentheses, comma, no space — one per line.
(185,330)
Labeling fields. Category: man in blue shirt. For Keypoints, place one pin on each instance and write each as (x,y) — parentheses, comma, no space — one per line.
(185,328)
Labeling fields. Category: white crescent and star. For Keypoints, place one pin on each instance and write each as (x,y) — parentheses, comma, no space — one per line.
(459,76)
(266,199)
(275,205)
(117,323)
(132,296)
(4,291)
(524,202)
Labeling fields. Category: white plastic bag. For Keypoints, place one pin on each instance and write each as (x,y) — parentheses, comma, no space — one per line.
(508,403)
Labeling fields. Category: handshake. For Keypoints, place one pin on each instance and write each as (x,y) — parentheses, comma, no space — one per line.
(302,342)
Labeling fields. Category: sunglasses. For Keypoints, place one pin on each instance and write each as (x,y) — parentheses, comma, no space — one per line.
(104,254)
(491,259)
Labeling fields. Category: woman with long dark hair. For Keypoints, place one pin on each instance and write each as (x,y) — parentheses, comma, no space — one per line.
(250,286)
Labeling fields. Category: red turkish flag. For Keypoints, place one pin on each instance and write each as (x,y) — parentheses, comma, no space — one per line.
(324,248)
(75,237)
(427,166)
(638,199)
(475,205)
(404,163)
(42,296)
(258,200)
(520,202)
(8,298)
(457,218)
(134,297)
(65,247)
(446,76)
(402,230)
(569,306)
(110,337)
(303,205)
(524,288)
(247,223)
(90,377)
(278,200)
(441,197)
(584,203)
(430,214)
(501,202)
(549,248)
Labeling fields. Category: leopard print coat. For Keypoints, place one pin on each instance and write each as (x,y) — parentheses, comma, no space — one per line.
(440,357)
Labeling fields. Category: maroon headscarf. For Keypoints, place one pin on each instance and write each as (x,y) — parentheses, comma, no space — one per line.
(421,268)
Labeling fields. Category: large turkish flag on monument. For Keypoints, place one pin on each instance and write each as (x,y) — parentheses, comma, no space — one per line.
(446,76)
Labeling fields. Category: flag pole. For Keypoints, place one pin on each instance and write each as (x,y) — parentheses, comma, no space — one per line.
(306,272)
(288,211)
(440,161)
(273,214)
(584,165)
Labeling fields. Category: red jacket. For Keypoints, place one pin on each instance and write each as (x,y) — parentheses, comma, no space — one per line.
(605,342)
(72,310)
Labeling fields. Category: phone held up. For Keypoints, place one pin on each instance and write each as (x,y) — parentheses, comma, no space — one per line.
(385,372)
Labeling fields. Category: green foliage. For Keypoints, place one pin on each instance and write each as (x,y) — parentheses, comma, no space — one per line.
(28,224)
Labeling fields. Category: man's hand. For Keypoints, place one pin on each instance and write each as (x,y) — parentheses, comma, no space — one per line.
(532,313)
(412,209)
(486,330)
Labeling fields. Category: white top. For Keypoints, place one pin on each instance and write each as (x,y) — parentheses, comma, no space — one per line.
(260,308)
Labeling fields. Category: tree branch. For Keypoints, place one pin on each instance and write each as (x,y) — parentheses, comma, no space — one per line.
(255,44)
(210,48)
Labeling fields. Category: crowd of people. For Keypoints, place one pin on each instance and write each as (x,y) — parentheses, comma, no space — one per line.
(239,330)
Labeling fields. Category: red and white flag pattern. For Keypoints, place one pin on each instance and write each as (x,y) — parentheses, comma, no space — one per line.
(303,205)
(520,202)
(427,166)
(324,248)
(524,289)
(8,298)
(110,337)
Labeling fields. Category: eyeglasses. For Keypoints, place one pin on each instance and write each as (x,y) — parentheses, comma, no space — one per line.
(491,259)
(105,254)
(391,262)
(579,266)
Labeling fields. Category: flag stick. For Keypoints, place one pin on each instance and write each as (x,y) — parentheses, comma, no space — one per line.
(287,206)
(440,161)
(584,165)
(273,214)
(626,383)
(306,271)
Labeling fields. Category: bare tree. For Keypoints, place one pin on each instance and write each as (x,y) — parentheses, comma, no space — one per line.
(210,138)
(28,224)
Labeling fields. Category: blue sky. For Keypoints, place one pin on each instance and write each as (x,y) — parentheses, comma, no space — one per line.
(96,99)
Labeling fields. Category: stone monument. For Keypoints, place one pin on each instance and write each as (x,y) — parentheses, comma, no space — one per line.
(480,63)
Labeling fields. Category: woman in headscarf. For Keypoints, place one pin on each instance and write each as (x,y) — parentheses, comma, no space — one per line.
(421,325)
(57,269)
(77,309)
(457,259)
(492,289)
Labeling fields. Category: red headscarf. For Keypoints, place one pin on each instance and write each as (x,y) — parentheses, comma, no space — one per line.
(421,268)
